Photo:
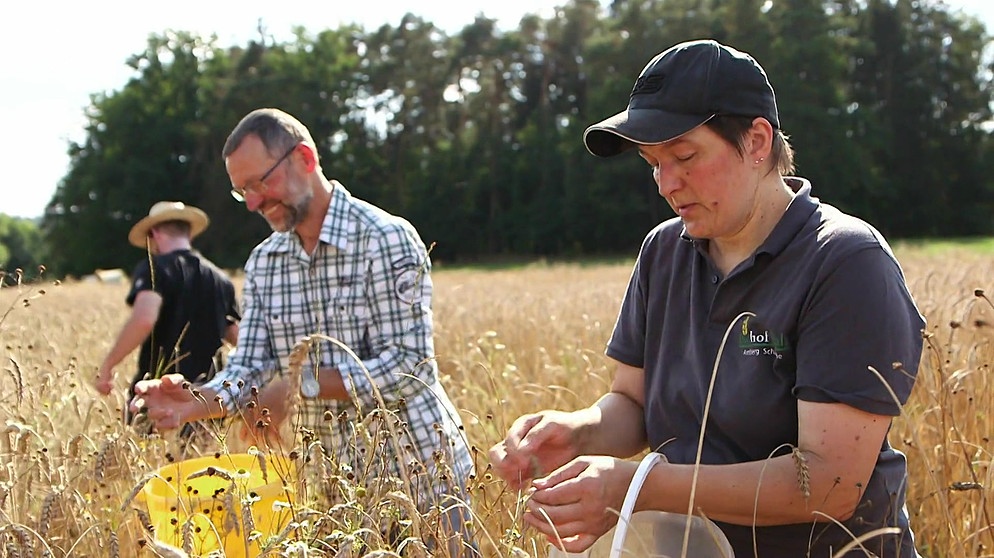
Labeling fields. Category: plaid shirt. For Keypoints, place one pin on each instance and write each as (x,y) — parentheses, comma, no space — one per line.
(367,285)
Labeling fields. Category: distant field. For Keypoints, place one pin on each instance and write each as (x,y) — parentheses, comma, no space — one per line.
(510,339)
(979,245)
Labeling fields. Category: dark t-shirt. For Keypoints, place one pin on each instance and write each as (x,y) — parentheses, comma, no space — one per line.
(820,301)
(198,304)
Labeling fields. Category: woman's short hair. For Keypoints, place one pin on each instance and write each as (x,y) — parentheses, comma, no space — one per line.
(733,129)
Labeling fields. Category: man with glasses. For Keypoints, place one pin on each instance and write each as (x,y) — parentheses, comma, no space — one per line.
(260,185)
(335,267)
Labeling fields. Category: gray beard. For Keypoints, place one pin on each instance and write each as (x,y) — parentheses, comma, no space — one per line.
(294,213)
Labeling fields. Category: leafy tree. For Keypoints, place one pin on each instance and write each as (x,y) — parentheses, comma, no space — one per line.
(20,244)
(810,77)
(922,101)
(476,137)
(139,149)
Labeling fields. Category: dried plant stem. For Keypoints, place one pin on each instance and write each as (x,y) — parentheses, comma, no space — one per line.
(700,439)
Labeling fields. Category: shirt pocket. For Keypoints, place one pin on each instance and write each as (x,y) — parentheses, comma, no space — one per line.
(284,334)
(348,320)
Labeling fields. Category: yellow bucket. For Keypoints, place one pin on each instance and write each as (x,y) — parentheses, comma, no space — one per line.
(229,502)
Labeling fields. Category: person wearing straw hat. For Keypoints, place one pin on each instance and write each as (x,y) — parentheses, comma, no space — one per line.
(350,285)
(763,347)
(183,307)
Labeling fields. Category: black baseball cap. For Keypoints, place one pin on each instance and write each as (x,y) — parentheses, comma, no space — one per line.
(682,88)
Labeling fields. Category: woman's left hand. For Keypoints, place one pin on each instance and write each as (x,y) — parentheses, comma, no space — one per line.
(580,501)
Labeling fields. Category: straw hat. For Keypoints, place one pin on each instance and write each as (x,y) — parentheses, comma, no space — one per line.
(168,211)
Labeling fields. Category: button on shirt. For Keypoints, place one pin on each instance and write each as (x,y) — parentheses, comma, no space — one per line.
(367,285)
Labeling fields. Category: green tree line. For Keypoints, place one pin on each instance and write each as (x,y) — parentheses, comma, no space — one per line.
(21,247)
(475,136)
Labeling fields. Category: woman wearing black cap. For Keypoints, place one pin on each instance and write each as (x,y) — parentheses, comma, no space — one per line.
(764,344)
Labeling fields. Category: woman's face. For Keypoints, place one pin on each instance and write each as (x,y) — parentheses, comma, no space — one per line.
(706,181)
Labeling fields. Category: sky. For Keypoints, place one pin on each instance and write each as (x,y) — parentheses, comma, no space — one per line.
(53,57)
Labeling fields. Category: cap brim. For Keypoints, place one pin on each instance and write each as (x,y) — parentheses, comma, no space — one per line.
(638,127)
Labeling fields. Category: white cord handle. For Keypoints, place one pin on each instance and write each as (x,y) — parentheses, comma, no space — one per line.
(625,516)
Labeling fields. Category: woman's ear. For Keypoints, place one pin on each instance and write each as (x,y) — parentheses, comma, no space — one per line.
(759,140)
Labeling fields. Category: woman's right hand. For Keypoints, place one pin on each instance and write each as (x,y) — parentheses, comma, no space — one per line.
(537,444)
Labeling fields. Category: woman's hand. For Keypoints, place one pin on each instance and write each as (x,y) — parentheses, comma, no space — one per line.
(536,444)
(580,501)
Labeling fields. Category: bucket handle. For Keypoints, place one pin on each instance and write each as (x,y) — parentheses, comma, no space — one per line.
(625,516)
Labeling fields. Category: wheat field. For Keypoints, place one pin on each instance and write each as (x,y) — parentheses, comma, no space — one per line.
(508,342)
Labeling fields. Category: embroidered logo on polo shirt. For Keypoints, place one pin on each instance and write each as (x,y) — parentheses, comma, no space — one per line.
(759,341)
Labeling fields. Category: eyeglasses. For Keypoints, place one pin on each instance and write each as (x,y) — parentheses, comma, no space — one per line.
(260,185)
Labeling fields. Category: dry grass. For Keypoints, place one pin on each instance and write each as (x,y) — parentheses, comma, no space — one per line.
(508,343)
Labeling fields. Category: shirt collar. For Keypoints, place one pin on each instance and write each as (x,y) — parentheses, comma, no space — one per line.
(335,228)
(794,218)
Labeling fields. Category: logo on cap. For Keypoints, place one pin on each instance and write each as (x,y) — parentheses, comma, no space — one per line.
(648,84)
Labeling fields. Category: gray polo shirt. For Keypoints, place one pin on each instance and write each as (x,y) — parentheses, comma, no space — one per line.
(820,301)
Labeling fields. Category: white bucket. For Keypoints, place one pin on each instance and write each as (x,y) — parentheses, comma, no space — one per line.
(654,534)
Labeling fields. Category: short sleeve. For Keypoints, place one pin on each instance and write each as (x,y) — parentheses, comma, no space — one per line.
(860,316)
(627,342)
(141,280)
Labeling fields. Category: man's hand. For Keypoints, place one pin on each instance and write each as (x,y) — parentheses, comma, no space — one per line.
(104,382)
(172,401)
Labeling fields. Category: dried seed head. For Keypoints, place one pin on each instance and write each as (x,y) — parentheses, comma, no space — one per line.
(45,517)
(188,535)
(803,473)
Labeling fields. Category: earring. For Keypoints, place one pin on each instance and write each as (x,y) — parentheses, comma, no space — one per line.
(760,160)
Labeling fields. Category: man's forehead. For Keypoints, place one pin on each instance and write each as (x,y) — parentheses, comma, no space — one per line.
(250,153)
(250,147)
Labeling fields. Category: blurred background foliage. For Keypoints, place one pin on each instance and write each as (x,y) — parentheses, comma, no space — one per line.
(475,136)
